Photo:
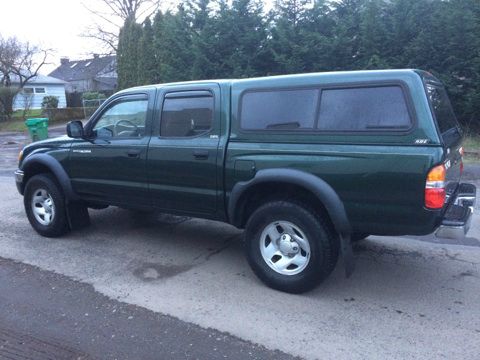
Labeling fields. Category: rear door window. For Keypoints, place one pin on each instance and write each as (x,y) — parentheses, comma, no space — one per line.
(364,109)
(187,117)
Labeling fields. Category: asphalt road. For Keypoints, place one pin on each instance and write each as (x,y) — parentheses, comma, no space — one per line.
(131,287)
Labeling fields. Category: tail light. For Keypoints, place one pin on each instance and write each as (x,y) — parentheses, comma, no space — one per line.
(435,188)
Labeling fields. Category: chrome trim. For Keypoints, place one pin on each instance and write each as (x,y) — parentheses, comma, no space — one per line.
(19,176)
(454,232)
(466,198)
(435,184)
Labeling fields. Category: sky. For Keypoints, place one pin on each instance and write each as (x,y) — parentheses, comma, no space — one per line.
(51,24)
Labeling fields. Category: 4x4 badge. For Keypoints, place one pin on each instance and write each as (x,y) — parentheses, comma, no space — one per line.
(421,141)
(82,151)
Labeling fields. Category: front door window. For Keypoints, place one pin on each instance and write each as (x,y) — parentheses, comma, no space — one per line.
(124,119)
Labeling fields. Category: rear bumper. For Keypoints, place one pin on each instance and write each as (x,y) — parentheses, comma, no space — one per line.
(457,219)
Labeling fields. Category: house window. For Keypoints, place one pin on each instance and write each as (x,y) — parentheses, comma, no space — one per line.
(40,90)
(27,90)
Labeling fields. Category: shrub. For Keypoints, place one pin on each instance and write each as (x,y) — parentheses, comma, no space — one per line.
(68,114)
(50,102)
(93,95)
(50,106)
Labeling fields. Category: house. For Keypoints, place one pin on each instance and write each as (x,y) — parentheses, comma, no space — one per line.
(96,74)
(32,94)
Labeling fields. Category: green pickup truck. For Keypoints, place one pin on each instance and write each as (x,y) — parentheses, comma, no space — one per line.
(304,163)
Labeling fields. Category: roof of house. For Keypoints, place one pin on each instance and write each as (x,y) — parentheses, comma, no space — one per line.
(82,69)
(39,79)
(107,80)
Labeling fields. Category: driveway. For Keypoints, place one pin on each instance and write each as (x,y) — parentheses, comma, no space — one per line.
(180,284)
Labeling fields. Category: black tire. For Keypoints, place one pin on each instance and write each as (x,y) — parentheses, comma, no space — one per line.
(59,222)
(324,245)
(356,237)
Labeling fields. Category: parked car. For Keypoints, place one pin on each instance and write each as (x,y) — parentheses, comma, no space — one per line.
(304,163)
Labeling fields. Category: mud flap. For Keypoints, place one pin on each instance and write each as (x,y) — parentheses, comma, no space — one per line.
(347,254)
(77,214)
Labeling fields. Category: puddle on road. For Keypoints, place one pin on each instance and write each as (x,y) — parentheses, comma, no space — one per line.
(151,271)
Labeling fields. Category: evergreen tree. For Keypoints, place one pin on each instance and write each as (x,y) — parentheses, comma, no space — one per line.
(289,50)
(172,46)
(248,53)
(208,38)
(317,37)
(373,36)
(128,54)
(346,42)
(147,62)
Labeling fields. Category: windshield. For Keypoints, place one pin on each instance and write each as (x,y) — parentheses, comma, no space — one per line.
(444,115)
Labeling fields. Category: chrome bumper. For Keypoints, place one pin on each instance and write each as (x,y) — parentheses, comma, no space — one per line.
(19,180)
(458,217)
(18,176)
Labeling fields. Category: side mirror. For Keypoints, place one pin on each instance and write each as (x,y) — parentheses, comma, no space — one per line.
(75,129)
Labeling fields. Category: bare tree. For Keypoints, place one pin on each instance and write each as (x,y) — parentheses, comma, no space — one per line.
(27,100)
(111,15)
(19,63)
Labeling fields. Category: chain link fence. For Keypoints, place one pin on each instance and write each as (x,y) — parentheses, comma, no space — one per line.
(90,106)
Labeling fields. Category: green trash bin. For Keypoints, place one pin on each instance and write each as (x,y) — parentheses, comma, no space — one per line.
(38,128)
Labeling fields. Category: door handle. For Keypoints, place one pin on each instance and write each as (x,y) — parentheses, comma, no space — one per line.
(133,153)
(200,154)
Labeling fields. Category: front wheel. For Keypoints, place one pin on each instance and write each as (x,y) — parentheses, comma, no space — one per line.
(45,206)
(290,247)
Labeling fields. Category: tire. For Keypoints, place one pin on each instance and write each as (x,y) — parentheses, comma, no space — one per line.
(42,192)
(312,254)
(356,237)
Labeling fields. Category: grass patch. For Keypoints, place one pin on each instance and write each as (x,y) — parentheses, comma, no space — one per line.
(17,122)
(12,125)
(32,113)
(471,144)
(18,125)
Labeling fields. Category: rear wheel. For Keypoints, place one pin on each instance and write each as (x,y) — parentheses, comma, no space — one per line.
(290,247)
(45,206)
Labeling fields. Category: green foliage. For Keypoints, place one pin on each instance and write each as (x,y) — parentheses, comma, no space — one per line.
(7,95)
(50,106)
(147,62)
(206,39)
(128,54)
(50,102)
(93,95)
